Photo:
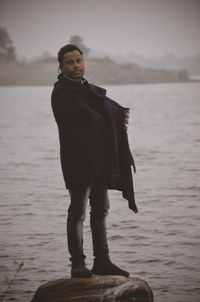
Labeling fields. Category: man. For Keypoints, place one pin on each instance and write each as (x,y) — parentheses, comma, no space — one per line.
(95,157)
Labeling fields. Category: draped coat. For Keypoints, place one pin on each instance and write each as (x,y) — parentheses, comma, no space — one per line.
(93,136)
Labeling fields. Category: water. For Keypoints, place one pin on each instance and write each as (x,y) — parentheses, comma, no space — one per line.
(159,245)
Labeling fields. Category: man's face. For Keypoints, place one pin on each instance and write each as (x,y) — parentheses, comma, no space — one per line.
(73,65)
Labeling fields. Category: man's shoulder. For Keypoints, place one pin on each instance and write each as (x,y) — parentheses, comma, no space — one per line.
(63,93)
(64,87)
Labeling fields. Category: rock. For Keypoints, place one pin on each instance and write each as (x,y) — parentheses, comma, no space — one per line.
(95,289)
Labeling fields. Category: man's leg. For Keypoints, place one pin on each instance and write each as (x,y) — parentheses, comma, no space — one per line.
(99,203)
(76,215)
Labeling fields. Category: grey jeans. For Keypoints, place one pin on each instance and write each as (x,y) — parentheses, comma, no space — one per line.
(96,192)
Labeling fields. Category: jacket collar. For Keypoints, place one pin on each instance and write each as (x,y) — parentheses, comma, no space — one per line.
(80,83)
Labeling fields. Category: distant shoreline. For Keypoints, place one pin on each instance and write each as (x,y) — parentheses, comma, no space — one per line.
(99,71)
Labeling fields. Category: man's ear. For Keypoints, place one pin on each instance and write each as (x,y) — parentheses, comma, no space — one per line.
(59,69)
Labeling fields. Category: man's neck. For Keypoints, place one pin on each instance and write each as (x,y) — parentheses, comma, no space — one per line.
(81,80)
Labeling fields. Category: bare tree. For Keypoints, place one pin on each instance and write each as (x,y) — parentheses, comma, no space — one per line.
(7,50)
(78,41)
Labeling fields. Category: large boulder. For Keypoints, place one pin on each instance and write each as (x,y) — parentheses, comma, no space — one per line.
(95,289)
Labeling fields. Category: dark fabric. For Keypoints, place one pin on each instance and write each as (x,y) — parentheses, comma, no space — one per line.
(96,191)
(93,136)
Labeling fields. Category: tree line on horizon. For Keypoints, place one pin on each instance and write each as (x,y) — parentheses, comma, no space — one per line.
(191,64)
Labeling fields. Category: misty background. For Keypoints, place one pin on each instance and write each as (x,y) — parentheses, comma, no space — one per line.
(154,33)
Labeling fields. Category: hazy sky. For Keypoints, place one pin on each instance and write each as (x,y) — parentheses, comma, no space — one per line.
(148,27)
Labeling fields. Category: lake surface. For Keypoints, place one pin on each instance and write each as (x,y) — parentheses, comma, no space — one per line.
(160,245)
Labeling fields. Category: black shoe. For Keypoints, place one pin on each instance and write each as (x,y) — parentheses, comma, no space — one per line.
(106,267)
(80,271)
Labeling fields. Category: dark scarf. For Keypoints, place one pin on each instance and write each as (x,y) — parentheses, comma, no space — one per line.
(91,124)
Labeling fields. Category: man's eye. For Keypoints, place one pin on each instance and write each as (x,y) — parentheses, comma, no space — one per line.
(68,62)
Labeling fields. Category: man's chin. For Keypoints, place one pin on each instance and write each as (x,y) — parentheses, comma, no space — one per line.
(77,75)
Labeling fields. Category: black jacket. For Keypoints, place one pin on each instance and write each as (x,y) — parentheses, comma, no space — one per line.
(93,136)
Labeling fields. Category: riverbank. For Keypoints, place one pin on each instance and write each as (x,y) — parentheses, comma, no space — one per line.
(100,71)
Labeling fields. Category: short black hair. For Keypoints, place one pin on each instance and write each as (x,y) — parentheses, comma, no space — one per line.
(67,48)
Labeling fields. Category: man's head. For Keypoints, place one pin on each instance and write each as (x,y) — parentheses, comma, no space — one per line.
(71,62)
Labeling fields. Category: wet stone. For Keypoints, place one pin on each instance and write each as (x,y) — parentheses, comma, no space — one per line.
(95,289)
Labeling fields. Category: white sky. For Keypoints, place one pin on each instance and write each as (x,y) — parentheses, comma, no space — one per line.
(148,27)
